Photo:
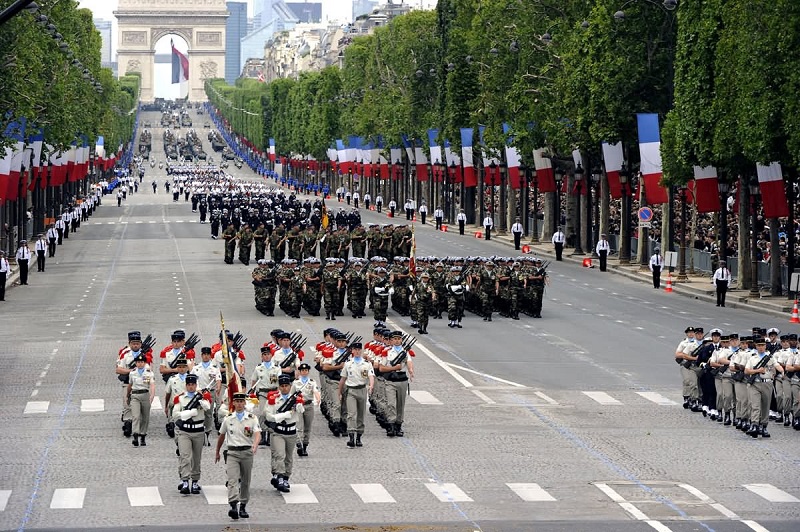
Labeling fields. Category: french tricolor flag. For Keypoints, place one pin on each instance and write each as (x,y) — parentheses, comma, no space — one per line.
(545,175)
(421,161)
(512,161)
(396,153)
(612,155)
(773,195)
(470,180)
(180,65)
(436,154)
(36,141)
(650,153)
(272,150)
(706,189)
(453,160)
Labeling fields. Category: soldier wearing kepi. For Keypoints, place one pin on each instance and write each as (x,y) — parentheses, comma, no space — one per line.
(309,388)
(241,431)
(189,417)
(176,385)
(208,378)
(397,369)
(283,410)
(172,353)
(763,367)
(265,380)
(359,378)
(126,364)
(141,390)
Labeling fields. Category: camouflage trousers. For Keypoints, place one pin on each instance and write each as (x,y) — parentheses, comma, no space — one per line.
(455,308)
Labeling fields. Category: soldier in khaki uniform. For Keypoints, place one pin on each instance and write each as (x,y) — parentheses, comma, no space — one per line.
(359,378)
(284,428)
(397,376)
(208,378)
(126,364)
(241,432)
(265,380)
(189,417)
(760,391)
(141,391)
(332,375)
(311,396)
(683,356)
(739,356)
(793,373)
(783,384)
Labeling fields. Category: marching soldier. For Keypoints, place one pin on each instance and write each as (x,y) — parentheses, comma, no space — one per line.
(229,235)
(760,391)
(260,239)
(456,286)
(216,351)
(739,357)
(381,289)
(425,299)
(141,392)
(359,378)
(170,355)
(208,378)
(241,432)
(309,388)
(245,237)
(356,288)
(282,413)
(489,287)
(176,385)
(126,364)
(265,285)
(265,380)
(189,417)
(397,372)
(783,383)
(332,375)
(685,357)
(331,284)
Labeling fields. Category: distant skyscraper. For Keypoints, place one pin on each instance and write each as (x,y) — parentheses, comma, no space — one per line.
(104,27)
(307,12)
(362,7)
(236,29)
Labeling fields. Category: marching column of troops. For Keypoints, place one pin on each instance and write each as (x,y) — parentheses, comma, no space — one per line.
(744,381)
(274,408)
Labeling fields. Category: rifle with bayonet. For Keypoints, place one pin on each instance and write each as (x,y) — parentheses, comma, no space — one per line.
(346,353)
(147,345)
(400,375)
(289,404)
(296,344)
(192,341)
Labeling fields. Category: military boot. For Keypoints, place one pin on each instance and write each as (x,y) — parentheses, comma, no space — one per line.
(233,513)
(358,440)
(243,511)
(351,442)
(764,433)
(135,441)
(127,428)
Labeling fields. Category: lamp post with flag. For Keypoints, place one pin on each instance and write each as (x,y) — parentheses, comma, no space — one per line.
(578,173)
(755,192)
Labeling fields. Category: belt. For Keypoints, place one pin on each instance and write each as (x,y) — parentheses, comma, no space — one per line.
(140,391)
(357,387)
(759,379)
(240,448)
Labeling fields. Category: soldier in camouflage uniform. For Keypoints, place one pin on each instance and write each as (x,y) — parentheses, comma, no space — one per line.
(386,243)
(455,283)
(264,284)
(260,241)
(287,279)
(399,278)
(277,244)
(229,235)
(425,297)
(342,243)
(373,239)
(358,240)
(489,287)
(537,281)
(294,243)
(309,242)
(380,304)
(325,238)
(356,278)
(245,244)
(312,286)
(331,283)
(517,283)
(438,279)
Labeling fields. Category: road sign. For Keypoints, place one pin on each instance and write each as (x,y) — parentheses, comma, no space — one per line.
(794,285)
(645,224)
(645,214)
(671,259)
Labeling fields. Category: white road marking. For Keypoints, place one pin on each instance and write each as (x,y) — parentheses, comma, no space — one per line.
(530,492)
(93,405)
(300,494)
(438,361)
(156,404)
(424,398)
(708,500)
(486,375)
(602,397)
(4,496)
(483,397)
(546,398)
(657,398)
(447,492)
(146,496)
(215,494)
(68,498)
(754,526)
(36,407)
(771,493)
(34,393)
(658,525)
(372,493)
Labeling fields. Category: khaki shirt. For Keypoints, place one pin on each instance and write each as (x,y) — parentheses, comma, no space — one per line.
(357,374)
(309,389)
(207,376)
(141,381)
(268,377)
(240,433)
(177,385)
(180,405)
(391,355)
(280,356)
(770,373)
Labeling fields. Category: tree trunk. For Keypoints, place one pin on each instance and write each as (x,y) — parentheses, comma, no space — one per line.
(776,288)
(743,258)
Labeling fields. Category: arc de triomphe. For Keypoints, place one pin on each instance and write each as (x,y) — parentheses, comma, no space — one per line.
(201,23)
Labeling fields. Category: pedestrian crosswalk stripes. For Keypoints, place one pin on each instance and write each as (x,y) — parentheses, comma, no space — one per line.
(771,493)
(657,398)
(372,493)
(602,397)
(68,498)
(156,404)
(424,398)
(4,496)
(447,492)
(145,496)
(36,407)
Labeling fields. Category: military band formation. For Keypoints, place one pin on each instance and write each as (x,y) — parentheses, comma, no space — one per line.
(744,381)
(274,407)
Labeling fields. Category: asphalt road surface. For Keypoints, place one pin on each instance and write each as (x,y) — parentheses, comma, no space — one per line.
(571,422)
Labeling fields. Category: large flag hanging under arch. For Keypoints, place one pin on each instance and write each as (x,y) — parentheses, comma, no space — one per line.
(180,65)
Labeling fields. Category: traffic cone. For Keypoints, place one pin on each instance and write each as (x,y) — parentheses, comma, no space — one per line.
(444,228)
(526,249)
(795,316)
(478,234)
(414,218)
(587,263)
(669,284)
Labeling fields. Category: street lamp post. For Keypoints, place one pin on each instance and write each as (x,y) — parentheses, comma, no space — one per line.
(579,190)
(502,204)
(559,177)
(625,216)
(451,171)
(524,199)
(755,192)
(682,249)
(492,169)
(535,230)
(723,187)
(594,228)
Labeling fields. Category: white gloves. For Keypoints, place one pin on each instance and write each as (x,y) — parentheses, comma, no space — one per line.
(466,287)
(300,408)
(205,404)
(248,406)
(391,291)
(410,288)
(283,416)
(188,414)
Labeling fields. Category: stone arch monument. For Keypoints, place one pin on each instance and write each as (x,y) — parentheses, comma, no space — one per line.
(201,23)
